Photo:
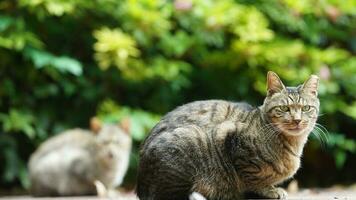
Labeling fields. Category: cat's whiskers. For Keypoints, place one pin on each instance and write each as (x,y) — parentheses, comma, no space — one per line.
(271,136)
(271,131)
(318,136)
(264,126)
(321,114)
(266,129)
(321,134)
(322,127)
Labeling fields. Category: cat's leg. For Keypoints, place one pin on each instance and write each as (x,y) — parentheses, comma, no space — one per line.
(270,192)
(105,192)
(101,190)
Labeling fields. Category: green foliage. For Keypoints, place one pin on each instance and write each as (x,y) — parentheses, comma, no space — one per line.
(18,121)
(140,121)
(114,48)
(62,62)
(341,146)
(14,34)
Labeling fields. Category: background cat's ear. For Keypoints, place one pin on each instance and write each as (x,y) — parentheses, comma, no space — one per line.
(310,86)
(125,125)
(274,83)
(95,124)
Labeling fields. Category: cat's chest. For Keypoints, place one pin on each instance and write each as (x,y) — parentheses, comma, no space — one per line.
(263,169)
(276,171)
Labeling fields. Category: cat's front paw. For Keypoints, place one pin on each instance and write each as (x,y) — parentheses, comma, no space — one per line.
(275,193)
(104,192)
(269,193)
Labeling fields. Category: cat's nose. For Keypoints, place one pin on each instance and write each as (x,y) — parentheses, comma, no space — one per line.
(110,155)
(297,121)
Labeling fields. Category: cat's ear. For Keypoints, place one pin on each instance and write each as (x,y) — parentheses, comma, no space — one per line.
(125,125)
(95,124)
(310,86)
(274,84)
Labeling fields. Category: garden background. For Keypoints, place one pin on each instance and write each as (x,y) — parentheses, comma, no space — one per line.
(62,62)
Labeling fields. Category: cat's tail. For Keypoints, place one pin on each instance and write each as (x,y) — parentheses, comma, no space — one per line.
(196,196)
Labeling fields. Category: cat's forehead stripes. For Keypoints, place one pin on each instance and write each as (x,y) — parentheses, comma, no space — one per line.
(294,91)
(293,95)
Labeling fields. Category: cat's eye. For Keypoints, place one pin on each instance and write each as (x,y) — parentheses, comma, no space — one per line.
(305,108)
(284,108)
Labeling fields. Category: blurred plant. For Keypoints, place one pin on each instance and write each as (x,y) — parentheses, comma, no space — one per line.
(13,34)
(18,121)
(114,48)
(53,7)
(341,147)
(140,121)
(63,64)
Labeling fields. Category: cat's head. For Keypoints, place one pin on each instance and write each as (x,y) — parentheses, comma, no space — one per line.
(292,110)
(113,140)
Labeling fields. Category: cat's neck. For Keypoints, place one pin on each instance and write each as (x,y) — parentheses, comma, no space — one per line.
(293,144)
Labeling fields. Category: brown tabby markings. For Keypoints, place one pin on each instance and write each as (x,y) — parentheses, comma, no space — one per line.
(222,149)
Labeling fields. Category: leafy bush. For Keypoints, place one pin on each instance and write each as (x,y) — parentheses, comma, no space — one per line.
(63,61)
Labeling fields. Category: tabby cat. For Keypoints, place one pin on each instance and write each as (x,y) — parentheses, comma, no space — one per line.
(223,149)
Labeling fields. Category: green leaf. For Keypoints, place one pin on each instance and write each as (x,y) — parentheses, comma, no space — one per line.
(137,130)
(24,177)
(350,110)
(17,120)
(66,64)
(14,34)
(141,122)
(5,22)
(340,158)
(63,64)
(114,48)
(12,162)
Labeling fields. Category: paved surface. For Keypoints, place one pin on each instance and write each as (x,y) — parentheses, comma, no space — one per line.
(305,194)
(321,195)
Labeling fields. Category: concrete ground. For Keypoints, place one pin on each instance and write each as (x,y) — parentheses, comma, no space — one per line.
(303,194)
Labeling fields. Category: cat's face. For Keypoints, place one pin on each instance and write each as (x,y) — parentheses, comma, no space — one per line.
(114,143)
(293,110)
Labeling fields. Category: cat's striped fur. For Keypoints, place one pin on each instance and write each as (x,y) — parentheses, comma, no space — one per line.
(223,149)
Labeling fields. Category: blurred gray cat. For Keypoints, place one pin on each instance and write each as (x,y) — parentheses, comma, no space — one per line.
(222,149)
(76,161)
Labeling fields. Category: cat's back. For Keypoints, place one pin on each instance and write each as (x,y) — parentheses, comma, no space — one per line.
(50,164)
(203,114)
(211,110)
(77,139)
(197,108)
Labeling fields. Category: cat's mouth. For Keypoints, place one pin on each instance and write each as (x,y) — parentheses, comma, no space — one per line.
(294,129)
